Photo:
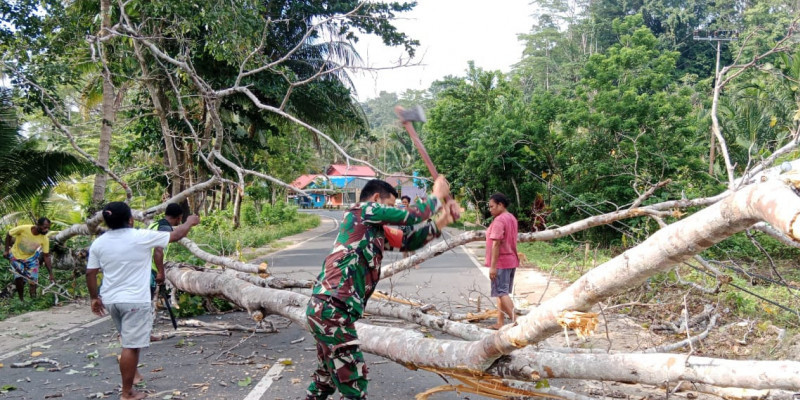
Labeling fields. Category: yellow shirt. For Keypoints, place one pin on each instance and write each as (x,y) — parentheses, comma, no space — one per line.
(26,243)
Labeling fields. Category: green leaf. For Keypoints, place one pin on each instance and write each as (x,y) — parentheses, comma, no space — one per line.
(245,382)
(542,384)
(93,355)
(41,369)
(72,372)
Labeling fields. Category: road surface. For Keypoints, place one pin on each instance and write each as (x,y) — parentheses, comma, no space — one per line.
(240,366)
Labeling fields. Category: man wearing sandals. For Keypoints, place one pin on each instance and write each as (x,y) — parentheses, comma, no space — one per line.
(501,256)
(124,255)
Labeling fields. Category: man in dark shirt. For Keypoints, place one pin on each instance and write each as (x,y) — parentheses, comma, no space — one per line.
(172,217)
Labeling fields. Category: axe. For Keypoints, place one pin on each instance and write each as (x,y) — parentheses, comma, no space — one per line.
(162,290)
(407,118)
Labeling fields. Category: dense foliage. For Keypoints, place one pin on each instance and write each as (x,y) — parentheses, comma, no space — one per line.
(610,99)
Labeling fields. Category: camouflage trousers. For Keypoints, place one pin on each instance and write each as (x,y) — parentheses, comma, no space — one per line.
(340,363)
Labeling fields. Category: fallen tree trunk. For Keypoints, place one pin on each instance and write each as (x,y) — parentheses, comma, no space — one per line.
(772,202)
(409,348)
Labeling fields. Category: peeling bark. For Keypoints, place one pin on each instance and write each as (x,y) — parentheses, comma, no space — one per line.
(409,348)
(219,260)
(772,202)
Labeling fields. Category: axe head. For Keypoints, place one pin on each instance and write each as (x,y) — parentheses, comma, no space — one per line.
(413,114)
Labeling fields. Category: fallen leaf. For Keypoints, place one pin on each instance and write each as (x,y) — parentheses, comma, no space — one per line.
(159,369)
(244,382)
(36,354)
(1,365)
(90,365)
(295,381)
(285,361)
(41,369)
(72,372)
(93,355)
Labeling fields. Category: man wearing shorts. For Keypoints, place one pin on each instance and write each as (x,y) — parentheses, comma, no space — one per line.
(124,256)
(501,256)
(30,242)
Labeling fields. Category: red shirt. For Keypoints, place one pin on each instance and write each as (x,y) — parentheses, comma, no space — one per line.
(504,230)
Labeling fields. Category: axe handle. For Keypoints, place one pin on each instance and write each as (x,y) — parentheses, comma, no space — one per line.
(425,157)
(162,290)
(421,148)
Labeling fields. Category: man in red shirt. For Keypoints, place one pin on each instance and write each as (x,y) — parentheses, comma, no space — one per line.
(501,256)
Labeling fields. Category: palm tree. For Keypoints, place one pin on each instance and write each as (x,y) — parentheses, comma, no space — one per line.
(25,170)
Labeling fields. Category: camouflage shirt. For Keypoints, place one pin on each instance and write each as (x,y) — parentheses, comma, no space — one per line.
(352,269)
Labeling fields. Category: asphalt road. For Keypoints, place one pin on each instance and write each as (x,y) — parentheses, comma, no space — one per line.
(241,366)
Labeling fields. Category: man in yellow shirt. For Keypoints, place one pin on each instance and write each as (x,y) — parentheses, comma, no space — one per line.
(30,242)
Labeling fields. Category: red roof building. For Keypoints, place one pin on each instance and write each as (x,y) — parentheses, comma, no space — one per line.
(303,180)
(350,170)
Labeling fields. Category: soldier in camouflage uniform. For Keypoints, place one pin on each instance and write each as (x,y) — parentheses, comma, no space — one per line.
(349,276)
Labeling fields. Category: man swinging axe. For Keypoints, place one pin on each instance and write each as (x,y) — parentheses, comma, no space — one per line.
(350,274)
(407,118)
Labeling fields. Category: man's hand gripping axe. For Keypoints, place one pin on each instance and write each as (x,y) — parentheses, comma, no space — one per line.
(407,118)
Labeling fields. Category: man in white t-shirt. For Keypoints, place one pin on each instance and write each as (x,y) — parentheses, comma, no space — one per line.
(124,255)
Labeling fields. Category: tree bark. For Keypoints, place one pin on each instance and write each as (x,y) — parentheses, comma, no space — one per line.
(237,207)
(409,348)
(109,112)
(159,100)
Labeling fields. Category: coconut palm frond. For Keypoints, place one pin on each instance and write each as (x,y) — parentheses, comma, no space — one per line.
(26,172)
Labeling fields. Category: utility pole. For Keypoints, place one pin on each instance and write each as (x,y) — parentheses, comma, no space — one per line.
(718,36)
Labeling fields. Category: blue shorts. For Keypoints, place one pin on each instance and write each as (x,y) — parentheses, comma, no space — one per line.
(504,282)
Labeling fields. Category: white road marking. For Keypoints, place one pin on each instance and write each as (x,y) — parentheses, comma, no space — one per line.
(28,347)
(265,382)
(335,228)
(484,270)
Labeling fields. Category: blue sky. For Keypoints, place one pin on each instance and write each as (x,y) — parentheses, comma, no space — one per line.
(451,32)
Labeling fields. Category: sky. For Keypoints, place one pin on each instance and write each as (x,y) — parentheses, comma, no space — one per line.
(451,33)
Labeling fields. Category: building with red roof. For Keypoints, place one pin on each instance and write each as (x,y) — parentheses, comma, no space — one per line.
(304,180)
(350,170)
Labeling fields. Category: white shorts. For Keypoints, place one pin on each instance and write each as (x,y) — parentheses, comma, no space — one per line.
(134,322)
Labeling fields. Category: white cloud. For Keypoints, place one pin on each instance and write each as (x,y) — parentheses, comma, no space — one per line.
(451,32)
